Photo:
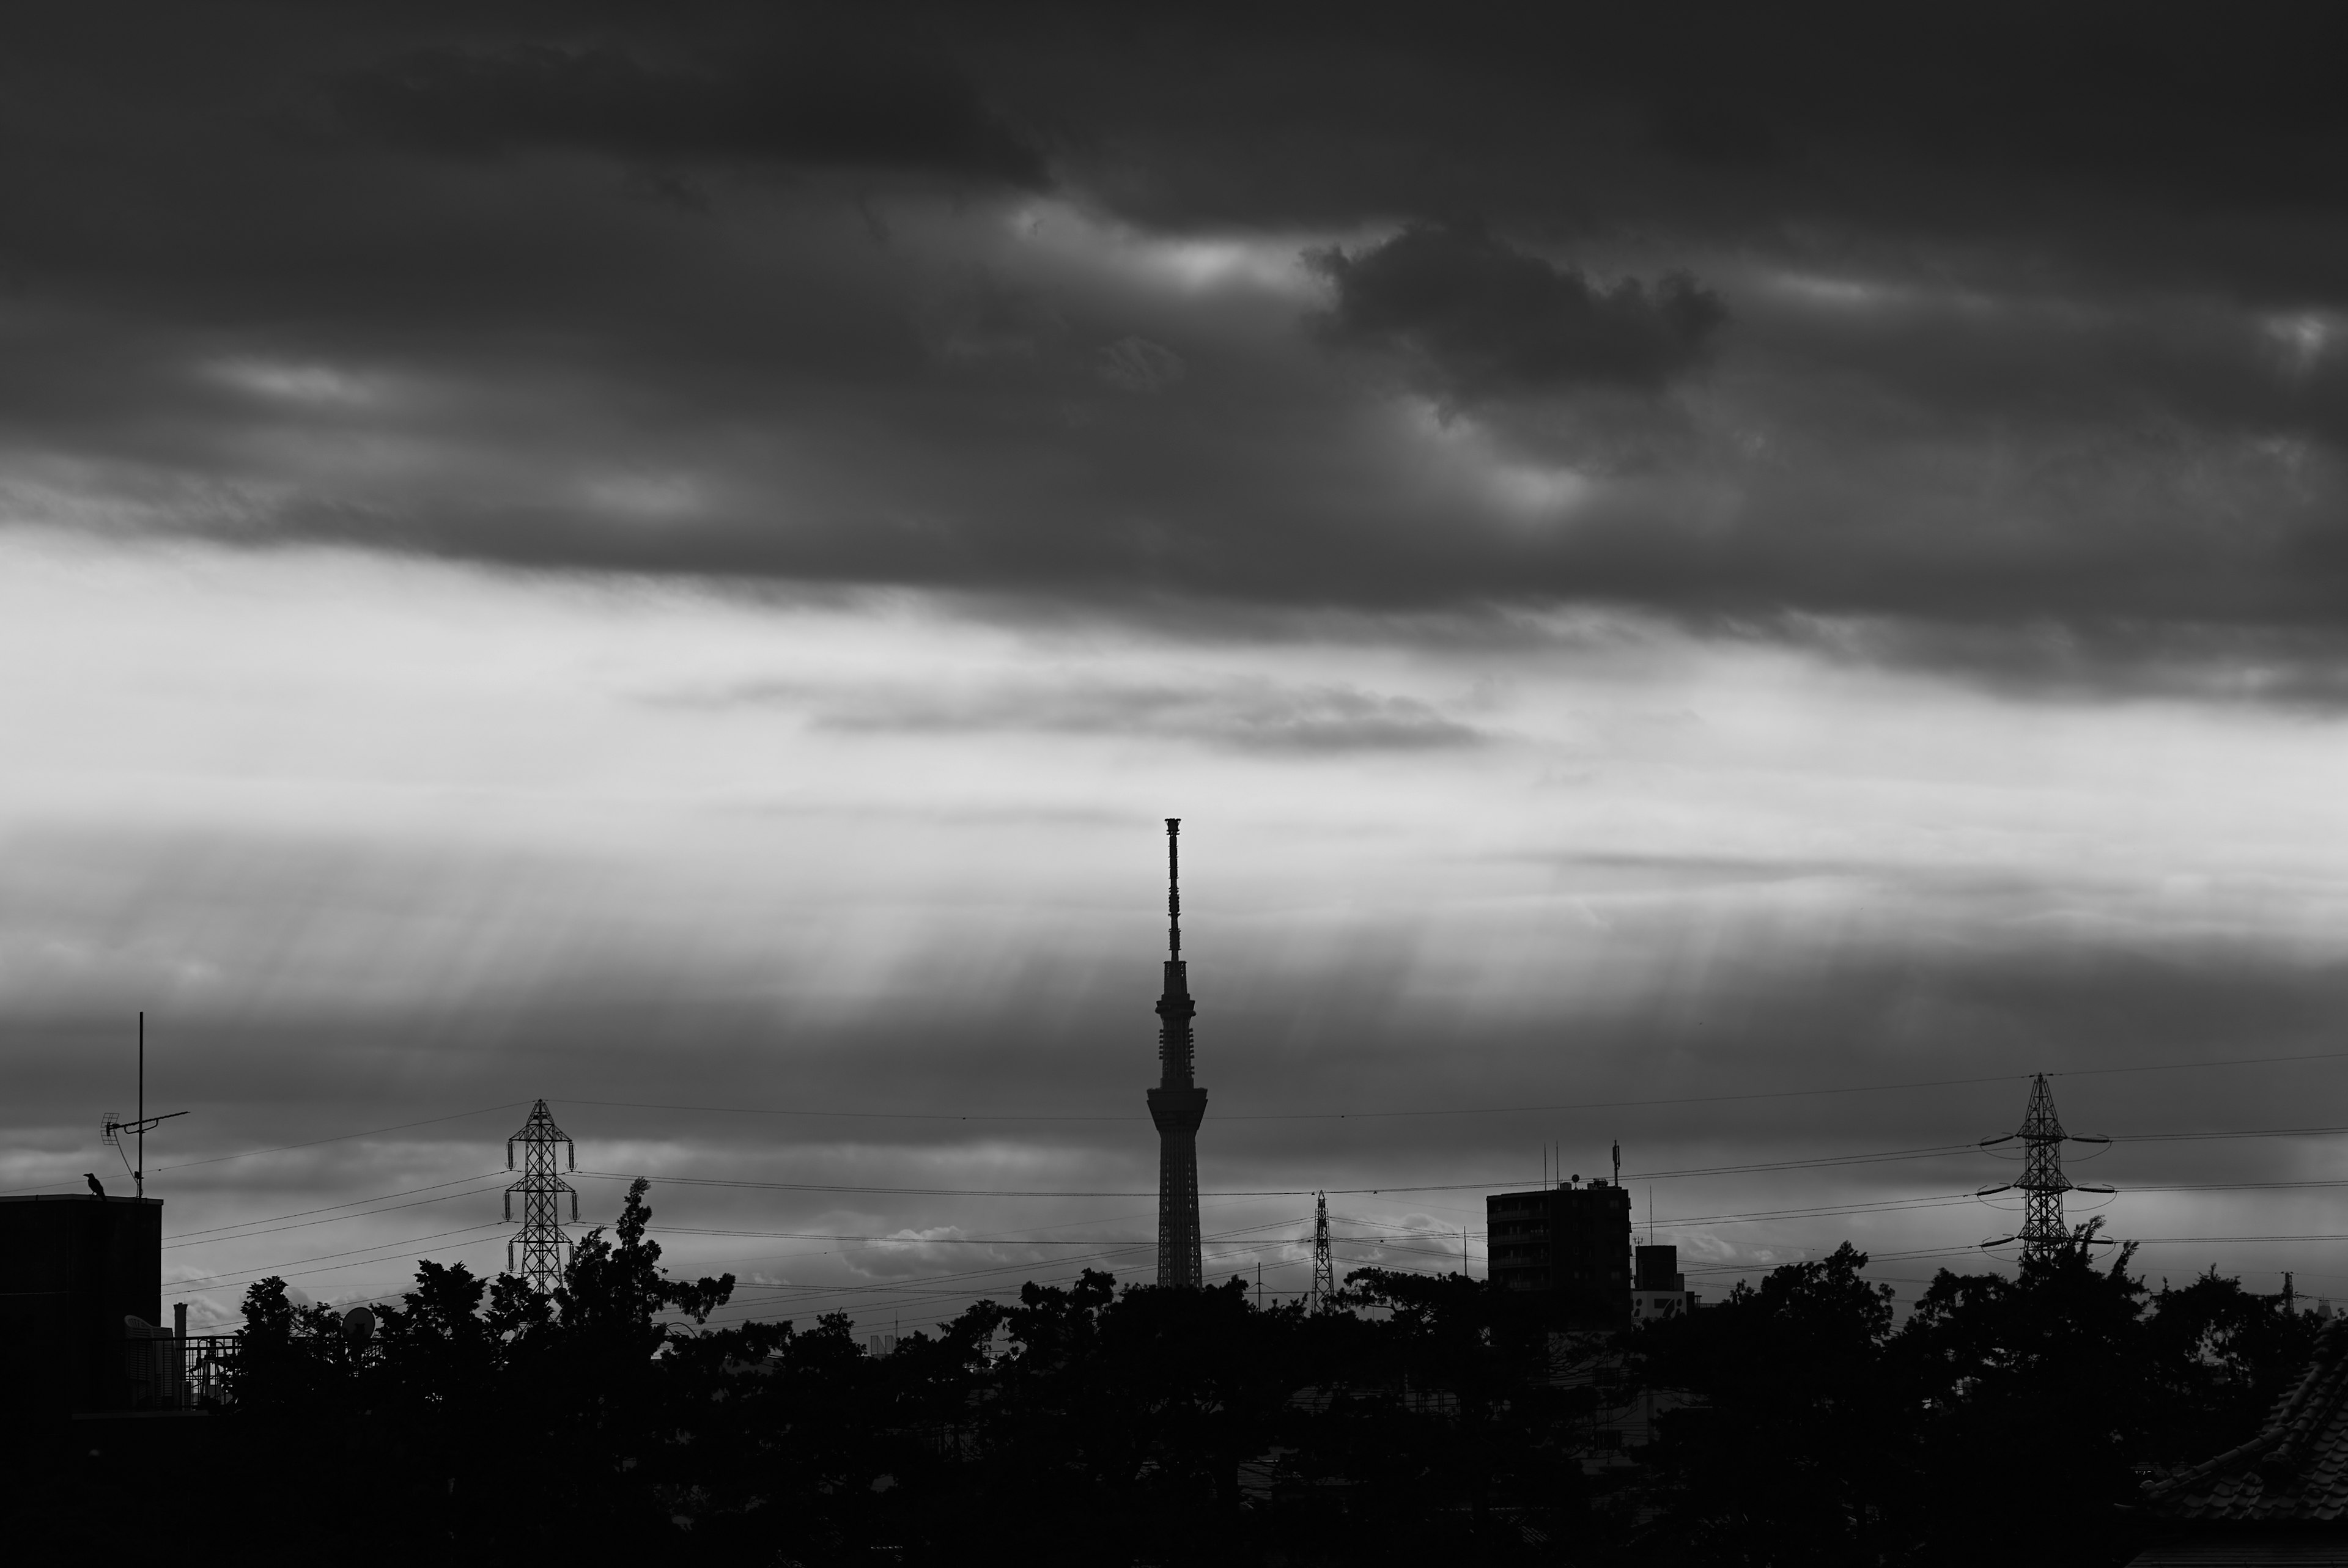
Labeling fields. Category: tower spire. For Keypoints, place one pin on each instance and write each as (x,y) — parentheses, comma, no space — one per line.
(1174,888)
(1177,1105)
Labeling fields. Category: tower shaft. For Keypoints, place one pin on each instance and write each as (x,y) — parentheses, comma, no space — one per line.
(1177,1105)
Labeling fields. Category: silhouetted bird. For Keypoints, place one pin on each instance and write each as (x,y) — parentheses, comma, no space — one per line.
(95,1184)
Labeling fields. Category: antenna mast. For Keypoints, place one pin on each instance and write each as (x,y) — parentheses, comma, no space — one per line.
(143,1123)
(543,1245)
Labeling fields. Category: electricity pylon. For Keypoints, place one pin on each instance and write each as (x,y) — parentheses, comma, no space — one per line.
(543,1245)
(2042,1183)
(1324,1274)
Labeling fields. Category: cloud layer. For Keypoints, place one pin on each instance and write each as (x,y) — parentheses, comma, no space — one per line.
(1717,321)
(675,560)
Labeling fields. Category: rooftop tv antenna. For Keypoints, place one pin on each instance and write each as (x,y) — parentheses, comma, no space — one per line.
(2042,1183)
(543,1245)
(139,1125)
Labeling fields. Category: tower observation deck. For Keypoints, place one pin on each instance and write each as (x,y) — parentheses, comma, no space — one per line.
(1177,1105)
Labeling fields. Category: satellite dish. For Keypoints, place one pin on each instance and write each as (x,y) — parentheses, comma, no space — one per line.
(358,1326)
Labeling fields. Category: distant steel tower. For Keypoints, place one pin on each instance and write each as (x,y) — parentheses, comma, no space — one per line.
(2042,1183)
(1177,1104)
(1324,1274)
(543,1245)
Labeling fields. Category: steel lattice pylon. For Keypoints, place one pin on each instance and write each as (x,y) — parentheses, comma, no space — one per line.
(1177,1105)
(1324,1274)
(544,1248)
(2042,1183)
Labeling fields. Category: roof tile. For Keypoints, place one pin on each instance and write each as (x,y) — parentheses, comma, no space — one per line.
(2296,1467)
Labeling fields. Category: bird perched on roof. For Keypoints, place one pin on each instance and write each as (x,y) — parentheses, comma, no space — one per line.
(95,1184)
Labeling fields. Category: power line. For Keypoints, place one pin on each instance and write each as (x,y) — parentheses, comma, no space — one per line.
(1348,1115)
(213,1235)
(342,1137)
(215,1282)
(285,1148)
(887,1240)
(2227,1240)
(2244,1132)
(1882,1157)
(1478,1109)
(1006,1192)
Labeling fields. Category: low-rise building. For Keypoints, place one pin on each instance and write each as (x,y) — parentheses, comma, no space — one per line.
(1658,1288)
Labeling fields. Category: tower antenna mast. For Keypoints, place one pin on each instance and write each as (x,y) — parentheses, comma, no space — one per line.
(1178,1104)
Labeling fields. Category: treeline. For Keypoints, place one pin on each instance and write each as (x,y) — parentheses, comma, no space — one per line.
(1428,1419)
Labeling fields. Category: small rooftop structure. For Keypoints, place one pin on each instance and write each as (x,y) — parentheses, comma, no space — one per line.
(1658,1288)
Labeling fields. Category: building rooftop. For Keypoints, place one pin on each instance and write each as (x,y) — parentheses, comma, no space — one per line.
(2293,1473)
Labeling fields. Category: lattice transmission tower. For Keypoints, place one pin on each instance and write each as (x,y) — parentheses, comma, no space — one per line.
(2041,1182)
(544,1248)
(1324,1274)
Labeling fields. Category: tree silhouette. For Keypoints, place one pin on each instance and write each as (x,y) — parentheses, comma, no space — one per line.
(1413,1419)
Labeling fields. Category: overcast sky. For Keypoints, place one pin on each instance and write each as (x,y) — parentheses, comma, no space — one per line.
(672,558)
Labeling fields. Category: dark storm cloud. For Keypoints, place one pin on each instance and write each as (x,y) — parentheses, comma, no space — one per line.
(815,107)
(1245,715)
(2006,317)
(2147,142)
(1478,319)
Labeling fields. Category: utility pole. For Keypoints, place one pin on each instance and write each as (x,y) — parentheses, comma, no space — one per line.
(543,1245)
(1324,1274)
